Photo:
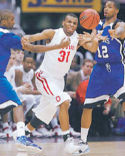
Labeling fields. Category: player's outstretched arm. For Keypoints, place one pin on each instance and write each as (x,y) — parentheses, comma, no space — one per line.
(45,34)
(91,41)
(88,41)
(119,31)
(43,48)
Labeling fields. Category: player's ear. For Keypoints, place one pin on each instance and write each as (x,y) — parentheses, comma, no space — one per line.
(117,11)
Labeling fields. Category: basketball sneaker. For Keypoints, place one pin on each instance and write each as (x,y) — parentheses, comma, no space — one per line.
(70,146)
(45,132)
(74,133)
(25,144)
(7,131)
(57,131)
(36,134)
(83,148)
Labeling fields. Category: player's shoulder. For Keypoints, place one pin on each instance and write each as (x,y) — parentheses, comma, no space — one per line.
(117,22)
(7,33)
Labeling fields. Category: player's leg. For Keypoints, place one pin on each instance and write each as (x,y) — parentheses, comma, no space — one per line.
(95,96)
(64,116)
(22,141)
(6,127)
(8,101)
(70,146)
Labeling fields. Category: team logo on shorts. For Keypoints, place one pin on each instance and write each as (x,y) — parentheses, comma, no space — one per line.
(58,98)
(108,67)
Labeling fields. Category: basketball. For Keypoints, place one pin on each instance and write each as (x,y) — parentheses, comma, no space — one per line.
(89,19)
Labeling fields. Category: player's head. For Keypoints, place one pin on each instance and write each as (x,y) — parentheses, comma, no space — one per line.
(70,24)
(7,19)
(12,60)
(28,62)
(111,8)
(87,66)
(19,55)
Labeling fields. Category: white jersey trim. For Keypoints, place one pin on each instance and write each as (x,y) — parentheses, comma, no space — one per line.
(4,30)
(7,104)
(93,100)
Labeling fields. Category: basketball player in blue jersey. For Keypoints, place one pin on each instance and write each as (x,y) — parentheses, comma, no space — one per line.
(8,97)
(107,77)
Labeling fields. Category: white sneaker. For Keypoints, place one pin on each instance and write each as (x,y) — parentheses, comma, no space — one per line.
(70,146)
(74,133)
(24,143)
(57,131)
(83,148)
(2,135)
(45,132)
(7,131)
(36,134)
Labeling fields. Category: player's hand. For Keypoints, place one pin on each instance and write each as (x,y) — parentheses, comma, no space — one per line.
(27,85)
(84,38)
(26,45)
(64,42)
(25,88)
(26,38)
(119,31)
(100,37)
(25,41)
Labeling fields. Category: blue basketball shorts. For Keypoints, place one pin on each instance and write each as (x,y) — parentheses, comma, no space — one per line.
(8,96)
(106,80)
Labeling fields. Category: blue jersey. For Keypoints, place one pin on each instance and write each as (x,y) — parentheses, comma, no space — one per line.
(107,78)
(8,40)
(111,50)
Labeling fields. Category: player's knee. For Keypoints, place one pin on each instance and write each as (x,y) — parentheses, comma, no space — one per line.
(35,122)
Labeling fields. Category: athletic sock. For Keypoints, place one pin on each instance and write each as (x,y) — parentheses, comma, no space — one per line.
(27,131)
(20,129)
(54,122)
(84,134)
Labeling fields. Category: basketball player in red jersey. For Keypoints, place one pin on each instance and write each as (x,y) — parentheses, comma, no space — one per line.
(50,75)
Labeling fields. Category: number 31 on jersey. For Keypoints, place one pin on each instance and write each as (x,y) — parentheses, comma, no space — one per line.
(64,56)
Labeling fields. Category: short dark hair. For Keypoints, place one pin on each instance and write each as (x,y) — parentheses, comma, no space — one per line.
(70,14)
(27,55)
(116,3)
(88,60)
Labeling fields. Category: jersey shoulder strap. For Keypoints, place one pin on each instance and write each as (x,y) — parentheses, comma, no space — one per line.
(117,20)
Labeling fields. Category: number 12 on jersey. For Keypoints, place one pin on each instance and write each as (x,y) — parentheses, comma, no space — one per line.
(103,52)
(64,56)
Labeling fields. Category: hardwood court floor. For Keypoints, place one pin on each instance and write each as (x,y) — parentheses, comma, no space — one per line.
(98,148)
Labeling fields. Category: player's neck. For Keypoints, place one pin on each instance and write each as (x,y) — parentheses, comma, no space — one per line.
(110,20)
(67,33)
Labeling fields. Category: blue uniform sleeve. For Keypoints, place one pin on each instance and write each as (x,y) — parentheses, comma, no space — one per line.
(10,40)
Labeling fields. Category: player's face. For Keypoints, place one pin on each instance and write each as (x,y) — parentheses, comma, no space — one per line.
(110,10)
(9,21)
(28,64)
(87,68)
(12,60)
(70,25)
(19,55)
